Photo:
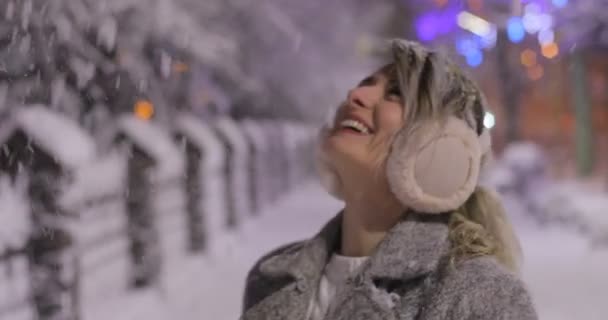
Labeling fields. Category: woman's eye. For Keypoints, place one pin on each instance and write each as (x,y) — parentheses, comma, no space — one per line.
(393,91)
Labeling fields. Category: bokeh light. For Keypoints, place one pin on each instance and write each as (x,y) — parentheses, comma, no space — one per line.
(180,67)
(528,58)
(546,36)
(466,45)
(489,120)
(143,109)
(475,5)
(536,72)
(550,50)
(474,58)
(560,3)
(440,3)
(474,24)
(515,29)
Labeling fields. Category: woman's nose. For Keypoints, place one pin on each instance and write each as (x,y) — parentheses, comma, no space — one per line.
(365,97)
(360,97)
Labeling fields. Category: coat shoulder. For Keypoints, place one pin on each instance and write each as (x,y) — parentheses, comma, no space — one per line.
(484,269)
(284,249)
(484,289)
(257,286)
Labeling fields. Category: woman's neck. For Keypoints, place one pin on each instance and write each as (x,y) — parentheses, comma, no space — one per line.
(364,226)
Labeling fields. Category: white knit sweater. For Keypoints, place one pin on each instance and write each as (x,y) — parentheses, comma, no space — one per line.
(337,271)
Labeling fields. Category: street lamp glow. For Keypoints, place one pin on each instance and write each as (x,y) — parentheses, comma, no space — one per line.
(474,24)
(489,120)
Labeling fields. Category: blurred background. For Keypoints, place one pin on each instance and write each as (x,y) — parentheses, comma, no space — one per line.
(152,150)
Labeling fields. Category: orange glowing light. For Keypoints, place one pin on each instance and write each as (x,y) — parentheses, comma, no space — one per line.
(143,109)
(550,50)
(528,58)
(475,5)
(441,3)
(180,67)
(536,72)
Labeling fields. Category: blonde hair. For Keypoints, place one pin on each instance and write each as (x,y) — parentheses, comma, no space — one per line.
(434,88)
(481,227)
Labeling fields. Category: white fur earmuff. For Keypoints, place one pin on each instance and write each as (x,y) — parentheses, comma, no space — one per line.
(432,169)
(435,167)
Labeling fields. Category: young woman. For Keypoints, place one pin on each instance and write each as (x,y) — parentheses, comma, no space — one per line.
(418,238)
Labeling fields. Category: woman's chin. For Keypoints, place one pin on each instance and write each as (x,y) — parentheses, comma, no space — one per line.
(340,150)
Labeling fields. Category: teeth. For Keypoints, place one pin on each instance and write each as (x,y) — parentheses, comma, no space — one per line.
(354,124)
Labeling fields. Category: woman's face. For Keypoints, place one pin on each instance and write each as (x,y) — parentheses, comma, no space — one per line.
(366,122)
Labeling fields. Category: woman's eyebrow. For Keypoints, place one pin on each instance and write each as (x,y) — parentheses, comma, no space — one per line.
(392,76)
(369,80)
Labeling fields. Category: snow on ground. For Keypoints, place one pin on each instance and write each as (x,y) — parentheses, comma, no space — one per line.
(205,288)
(568,280)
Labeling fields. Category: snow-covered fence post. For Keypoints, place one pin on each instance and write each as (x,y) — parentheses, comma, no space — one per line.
(15,230)
(257,164)
(193,185)
(268,165)
(206,185)
(275,160)
(295,152)
(237,157)
(140,212)
(305,136)
(154,197)
(46,148)
(303,152)
(282,155)
(101,241)
(310,134)
(289,160)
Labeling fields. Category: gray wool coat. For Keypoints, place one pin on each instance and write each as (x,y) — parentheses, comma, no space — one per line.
(407,277)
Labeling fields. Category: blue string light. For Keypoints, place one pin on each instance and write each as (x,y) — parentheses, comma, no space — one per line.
(560,3)
(466,45)
(474,58)
(515,29)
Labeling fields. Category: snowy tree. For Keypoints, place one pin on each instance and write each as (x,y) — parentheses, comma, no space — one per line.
(304,54)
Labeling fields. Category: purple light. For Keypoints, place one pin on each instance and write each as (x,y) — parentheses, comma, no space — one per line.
(446,21)
(433,24)
(426,27)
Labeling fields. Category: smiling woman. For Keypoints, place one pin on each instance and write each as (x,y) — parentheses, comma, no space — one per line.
(418,238)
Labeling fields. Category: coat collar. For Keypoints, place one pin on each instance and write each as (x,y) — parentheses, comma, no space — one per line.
(412,248)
